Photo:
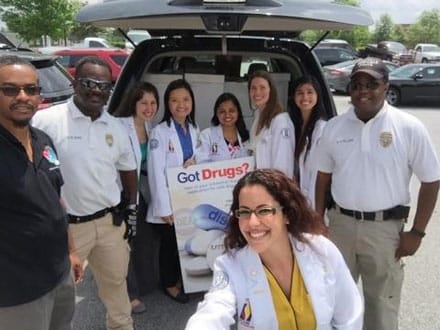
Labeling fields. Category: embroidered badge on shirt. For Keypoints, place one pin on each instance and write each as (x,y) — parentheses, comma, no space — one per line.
(220,280)
(154,144)
(285,132)
(109,139)
(246,313)
(385,139)
(50,155)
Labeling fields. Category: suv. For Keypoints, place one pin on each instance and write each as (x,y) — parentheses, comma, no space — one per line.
(55,82)
(392,51)
(333,55)
(114,57)
(213,44)
(427,53)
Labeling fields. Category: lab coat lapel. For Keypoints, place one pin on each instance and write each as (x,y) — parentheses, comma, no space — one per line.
(260,298)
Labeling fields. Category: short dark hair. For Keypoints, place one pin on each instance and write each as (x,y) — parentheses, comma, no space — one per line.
(135,94)
(12,60)
(176,84)
(296,208)
(241,126)
(90,60)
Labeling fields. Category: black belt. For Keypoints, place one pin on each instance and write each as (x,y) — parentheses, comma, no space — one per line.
(396,213)
(90,217)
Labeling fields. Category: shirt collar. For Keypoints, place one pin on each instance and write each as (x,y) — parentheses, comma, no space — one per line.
(352,115)
(77,114)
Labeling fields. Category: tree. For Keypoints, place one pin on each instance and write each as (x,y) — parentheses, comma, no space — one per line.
(426,29)
(32,19)
(384,28)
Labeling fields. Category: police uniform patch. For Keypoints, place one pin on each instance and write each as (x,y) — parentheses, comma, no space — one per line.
(154,144)
(285,132)
(109,139)
(385,139)
(50,155)
(220,280)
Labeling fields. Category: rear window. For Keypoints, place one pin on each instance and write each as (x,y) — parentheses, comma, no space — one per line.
(119,59)
(52,78)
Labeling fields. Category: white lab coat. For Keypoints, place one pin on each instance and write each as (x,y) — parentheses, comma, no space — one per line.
(308,166)
(213,146)
(164,152)
(128,123)
(274,147)
(240,277)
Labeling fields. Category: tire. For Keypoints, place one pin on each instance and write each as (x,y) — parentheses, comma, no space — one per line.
(393,96)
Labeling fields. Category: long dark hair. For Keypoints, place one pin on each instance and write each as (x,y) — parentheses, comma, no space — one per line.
(241,126)
(318,112)
(273,106)
(285,191)
(176,84)
(135,94)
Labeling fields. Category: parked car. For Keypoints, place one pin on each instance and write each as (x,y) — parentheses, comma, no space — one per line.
(338,43)
(414,82)
(338,75)
(392,51)
(55,82)
(113,56)
(214,45)
(333,55)
(426,53)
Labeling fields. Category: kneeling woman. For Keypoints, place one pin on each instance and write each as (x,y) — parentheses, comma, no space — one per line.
(278,272)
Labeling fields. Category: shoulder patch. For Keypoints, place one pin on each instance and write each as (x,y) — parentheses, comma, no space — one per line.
(154,144)
(50,155)
(220,280)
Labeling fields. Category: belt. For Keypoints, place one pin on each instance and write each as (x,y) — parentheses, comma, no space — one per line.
(396,213)
(86,218)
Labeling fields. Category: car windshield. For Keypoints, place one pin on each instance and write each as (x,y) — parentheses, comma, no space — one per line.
(396,47)
(345,64)
(406,71)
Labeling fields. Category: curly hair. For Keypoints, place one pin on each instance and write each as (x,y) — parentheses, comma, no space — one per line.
(302,218)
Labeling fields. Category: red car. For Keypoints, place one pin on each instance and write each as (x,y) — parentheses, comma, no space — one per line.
(114,57)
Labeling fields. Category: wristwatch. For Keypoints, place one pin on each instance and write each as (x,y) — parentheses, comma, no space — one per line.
(417,232)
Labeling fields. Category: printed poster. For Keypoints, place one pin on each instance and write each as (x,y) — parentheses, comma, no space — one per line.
(201,196)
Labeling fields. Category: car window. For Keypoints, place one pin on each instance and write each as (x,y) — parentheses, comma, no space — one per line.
(119,59)
(406,71)
(53,79)
(431,73)
(64,60)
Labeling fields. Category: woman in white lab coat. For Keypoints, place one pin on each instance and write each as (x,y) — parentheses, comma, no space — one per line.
(272,138)
(136,116)
(172,144)
(279,271)
(227,137)
(309,118)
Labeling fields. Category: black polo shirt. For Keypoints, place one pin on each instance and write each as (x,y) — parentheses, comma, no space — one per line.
(34,255)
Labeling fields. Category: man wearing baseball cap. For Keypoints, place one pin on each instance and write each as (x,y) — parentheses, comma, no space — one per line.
(368,156)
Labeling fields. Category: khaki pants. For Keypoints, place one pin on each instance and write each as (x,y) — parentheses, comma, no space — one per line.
(368,248)
(102,244)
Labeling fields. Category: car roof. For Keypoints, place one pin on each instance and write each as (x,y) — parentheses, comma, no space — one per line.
(258,17)
(92,50)
(28,55)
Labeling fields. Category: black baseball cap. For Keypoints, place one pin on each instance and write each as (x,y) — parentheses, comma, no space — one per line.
(371,66)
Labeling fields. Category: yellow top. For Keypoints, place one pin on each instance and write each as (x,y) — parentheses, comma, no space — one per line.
(296,313)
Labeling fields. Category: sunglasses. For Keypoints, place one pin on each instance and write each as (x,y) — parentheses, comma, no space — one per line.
(104,86)
(13,91)
(371,85)
(261,212)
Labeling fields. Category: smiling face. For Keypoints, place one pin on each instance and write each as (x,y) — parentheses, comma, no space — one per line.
(259,92)
(227,114)
(367,101)
(180,104)
(17,111)
(263,234)
(305,97)
(146,107)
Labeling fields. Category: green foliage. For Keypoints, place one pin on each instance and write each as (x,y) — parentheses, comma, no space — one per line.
(384,28)
(32,19)
(426,29)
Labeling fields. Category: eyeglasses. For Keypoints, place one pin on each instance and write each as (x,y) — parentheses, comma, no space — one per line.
(261,212)
(13,91)
(371,85)
(104,86)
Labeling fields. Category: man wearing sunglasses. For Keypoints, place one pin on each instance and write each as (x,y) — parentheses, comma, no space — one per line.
(36,288)
(95,152)
(368,155)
